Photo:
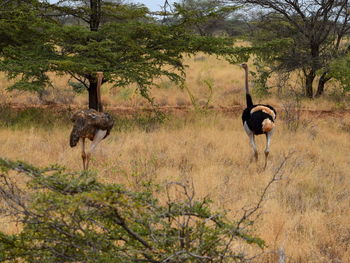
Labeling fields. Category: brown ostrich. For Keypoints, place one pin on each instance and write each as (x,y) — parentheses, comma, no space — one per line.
(90,124)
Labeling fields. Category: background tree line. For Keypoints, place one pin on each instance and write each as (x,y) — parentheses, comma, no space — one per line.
(310,37)
(125,41)
(130,44)
(307,36)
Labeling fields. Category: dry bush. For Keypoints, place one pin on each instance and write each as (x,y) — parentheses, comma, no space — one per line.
(180,101)
(163,101)
(291,107)
(52,96)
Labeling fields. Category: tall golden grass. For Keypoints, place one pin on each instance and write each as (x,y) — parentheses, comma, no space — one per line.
(306,213)
(226,80)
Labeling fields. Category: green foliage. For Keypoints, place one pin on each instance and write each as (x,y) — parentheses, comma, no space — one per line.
(68,217)
(204,17)
(48,119)
(123,40)
(260,77)
(126,93)
(194,101)
(340,70)
(25,46)
(77,87)
(32,117)
(315,33)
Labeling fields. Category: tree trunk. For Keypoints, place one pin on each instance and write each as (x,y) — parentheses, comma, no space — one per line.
(95,16)
(310,75)
(308,84)
(95,92)
(321,83)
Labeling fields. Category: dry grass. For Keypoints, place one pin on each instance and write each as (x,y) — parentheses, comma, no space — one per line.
(306,214)
(227,83)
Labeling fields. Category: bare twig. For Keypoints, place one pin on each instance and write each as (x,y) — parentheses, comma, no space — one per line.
(277,176)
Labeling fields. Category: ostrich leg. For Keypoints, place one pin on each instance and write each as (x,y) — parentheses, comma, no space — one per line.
(83,154)
(267,149)
(252,143)
(100,134)
(252,140)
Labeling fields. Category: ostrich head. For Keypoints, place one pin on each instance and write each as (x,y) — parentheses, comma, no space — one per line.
(244,65)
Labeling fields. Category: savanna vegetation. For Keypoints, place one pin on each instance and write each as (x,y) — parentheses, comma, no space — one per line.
(175,180)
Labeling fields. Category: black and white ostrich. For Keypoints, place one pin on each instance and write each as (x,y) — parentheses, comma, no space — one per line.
(90,124)
(257,119)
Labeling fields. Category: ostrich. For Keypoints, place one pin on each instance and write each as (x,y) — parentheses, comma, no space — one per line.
(257,119)
(91,124)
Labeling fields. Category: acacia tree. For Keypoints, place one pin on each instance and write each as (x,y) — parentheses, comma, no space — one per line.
(314,33)
(122,40)
(25,46)
(206,17)
(340,70)
(71,218)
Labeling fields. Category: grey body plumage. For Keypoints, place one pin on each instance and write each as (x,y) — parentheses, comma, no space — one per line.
(90,124)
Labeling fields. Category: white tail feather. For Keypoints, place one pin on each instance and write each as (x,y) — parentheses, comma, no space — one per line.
(267,125)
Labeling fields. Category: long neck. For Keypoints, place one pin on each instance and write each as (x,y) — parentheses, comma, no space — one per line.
(246,81)
(248,97)
(99,83)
